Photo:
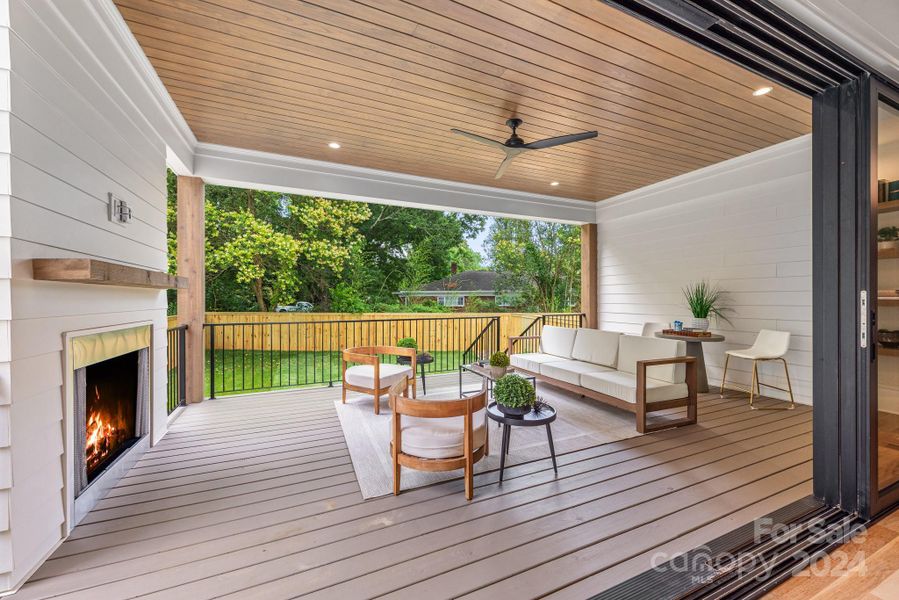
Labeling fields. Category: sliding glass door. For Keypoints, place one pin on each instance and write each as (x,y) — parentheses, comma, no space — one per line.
(884,327)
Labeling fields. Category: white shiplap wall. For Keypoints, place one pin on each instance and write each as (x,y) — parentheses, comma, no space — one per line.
(76,135)
(744,224)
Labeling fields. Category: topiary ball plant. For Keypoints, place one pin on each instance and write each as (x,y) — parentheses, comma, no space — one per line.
(499,359)
(407,342)
(515,395)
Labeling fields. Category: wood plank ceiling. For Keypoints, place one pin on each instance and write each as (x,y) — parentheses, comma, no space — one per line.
(387,79)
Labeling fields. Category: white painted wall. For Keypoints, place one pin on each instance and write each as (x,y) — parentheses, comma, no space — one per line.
(76,134)
(744,224)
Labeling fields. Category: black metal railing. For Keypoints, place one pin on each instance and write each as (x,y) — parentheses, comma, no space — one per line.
(536,328)
(248,356)
(175,368)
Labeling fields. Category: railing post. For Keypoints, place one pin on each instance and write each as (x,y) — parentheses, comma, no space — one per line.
(182,380)
(499,340)
(211,327)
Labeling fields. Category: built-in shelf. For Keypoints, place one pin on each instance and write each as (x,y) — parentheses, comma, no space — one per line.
(89,270)
(888,249)
(886,207)
(884,351)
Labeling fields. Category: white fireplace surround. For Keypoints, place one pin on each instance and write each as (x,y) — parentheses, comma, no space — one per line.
(88,346)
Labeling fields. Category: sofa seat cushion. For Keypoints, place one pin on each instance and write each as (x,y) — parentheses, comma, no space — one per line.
(558,341)
(569,371)
(624,387)
(364,375)
(596,346)
(531,361)
(440,438)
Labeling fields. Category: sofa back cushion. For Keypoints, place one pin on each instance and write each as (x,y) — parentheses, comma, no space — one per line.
(632,348)
(596,346)
(557,341)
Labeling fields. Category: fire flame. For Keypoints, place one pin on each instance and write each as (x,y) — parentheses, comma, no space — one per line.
(101,437)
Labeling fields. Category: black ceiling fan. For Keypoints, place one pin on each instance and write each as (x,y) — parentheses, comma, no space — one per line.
(515,145)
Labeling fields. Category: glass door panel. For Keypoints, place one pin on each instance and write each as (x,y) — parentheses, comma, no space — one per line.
(887,367)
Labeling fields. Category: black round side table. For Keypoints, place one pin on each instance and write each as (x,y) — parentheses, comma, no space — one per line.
(544,416)
(421,360)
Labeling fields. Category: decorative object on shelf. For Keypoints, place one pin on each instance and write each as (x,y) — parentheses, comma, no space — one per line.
(705,300)
(678,326)
(888,234)
(499,363)
(888,249)
(514,395)
(888,338)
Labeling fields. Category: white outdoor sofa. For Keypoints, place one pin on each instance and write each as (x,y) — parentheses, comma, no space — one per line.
(638,374)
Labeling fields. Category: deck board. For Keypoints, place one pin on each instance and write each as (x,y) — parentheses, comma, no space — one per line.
(255,497)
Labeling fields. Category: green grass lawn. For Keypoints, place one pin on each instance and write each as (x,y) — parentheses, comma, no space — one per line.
(243,371)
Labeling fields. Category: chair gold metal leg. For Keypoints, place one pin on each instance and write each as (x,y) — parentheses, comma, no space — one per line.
(752,384)
(789,385)
(724,376)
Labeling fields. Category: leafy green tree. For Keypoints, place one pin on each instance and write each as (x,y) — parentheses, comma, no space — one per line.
(540,260)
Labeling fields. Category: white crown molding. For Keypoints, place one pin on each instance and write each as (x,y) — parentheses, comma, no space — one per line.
(179,139)
(864,29)
(774,160)
(225,165)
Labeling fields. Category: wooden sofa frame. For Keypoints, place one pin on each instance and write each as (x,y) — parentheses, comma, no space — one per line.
(640,408)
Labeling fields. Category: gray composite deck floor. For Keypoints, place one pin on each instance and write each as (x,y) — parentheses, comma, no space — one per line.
(255,497)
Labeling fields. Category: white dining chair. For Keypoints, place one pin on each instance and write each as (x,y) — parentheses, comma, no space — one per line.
(769,345)
(650,328)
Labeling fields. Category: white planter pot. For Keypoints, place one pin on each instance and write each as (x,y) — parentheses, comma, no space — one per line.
(700,324)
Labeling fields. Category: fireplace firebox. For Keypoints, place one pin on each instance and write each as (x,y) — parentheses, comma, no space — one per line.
(110,411)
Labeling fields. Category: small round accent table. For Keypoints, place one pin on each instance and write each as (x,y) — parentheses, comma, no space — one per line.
(694,349)
(545,416)
(421,360)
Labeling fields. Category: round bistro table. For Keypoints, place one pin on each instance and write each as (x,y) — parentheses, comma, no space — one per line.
(694,349)
(545,416)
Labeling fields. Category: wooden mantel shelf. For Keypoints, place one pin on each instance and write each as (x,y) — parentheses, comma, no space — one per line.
(89,270)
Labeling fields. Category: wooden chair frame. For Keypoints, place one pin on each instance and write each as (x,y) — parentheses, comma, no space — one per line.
(641,408)
(436,409)
(368,355)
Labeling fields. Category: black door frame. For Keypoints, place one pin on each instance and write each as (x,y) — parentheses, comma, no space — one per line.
(763,38)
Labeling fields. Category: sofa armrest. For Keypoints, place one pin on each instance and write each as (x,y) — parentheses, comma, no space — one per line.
(515,338)
(691,398)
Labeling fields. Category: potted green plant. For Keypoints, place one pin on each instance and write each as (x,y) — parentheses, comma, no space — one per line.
(499,363)
(515,395)
(705,300)
(406,342)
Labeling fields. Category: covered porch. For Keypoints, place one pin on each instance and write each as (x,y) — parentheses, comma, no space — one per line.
(255,496)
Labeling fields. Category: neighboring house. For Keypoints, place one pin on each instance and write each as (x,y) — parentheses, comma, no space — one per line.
(455,290)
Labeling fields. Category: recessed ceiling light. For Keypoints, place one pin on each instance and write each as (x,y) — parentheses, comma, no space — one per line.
(553,183)
(762,91)
(334,145)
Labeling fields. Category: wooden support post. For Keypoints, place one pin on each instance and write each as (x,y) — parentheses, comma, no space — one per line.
(589,274)
(192,265)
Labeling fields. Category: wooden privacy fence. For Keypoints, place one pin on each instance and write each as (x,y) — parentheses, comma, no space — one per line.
(265,330)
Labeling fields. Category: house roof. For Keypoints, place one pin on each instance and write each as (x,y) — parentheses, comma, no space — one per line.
(464,281)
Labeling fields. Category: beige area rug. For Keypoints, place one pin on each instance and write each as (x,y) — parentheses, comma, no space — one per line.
(580,423)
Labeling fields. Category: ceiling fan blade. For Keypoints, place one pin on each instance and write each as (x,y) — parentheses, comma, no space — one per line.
(562,139)
(505,164)
(479,138)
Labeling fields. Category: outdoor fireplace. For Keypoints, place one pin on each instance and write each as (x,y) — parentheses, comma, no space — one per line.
(110,410)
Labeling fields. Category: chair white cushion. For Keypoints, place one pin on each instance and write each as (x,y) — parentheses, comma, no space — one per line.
(364,375)
(570,371)
(624,386)
(596,346)
(557,341)
(440,438)
(531,360)
(632,348)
